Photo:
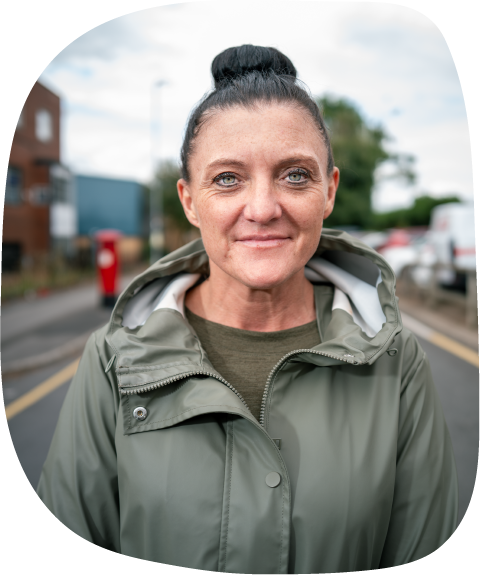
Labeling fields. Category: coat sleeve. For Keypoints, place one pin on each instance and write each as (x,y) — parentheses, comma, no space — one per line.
(79,483)
(424,509)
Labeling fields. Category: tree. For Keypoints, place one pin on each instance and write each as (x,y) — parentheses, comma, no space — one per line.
(178,230)
(165,184)
(416,215)
(358,150)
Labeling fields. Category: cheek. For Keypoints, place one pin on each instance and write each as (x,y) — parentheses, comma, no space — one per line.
(216,217)
(308,214)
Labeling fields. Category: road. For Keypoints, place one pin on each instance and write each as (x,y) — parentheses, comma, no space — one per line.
(457,384)
(36,407)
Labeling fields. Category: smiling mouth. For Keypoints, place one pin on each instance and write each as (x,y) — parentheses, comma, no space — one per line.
(263,241)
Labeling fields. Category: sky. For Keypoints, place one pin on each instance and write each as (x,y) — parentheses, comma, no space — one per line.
(390,61)
(28,43)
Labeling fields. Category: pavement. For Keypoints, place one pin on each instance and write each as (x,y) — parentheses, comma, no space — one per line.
(21,316)
(447,318)
(37,333)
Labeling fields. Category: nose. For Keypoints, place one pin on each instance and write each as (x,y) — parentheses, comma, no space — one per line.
(262,204)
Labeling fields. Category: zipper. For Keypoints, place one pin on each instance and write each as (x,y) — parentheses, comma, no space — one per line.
(110,363)
(277,368)
(229,385)
(183,376)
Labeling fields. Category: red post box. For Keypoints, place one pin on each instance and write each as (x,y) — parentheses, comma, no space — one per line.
(108,265)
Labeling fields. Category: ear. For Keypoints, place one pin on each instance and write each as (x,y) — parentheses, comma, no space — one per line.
(185,195)
(333,182)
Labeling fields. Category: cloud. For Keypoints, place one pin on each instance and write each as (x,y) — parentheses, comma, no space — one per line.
(383,57)
(106,42)
(103,146)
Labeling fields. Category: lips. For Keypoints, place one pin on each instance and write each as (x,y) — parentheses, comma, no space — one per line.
(263,241)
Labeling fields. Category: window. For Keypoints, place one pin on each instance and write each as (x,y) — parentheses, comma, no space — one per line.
(43,125)
(39,195)
(61,184)
(59,190)
(13,190)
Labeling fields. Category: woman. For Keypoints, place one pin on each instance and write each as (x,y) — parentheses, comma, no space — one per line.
(254,405)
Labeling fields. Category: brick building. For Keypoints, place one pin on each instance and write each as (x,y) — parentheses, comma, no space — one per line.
(39,191)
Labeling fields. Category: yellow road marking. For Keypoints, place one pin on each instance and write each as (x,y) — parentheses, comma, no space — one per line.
(454,347)
(41,390)
(58,379)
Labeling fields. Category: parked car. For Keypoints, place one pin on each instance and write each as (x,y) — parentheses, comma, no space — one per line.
(375,240)
(449,245)
(401,249)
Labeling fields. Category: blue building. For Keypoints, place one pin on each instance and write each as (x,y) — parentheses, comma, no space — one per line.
(105,203)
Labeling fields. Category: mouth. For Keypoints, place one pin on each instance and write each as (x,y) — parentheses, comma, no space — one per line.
(263,241)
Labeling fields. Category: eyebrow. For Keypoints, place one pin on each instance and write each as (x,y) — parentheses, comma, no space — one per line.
(298,159)
(226,161)
(239,164)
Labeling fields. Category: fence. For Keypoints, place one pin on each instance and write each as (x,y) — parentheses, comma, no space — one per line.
(433,293)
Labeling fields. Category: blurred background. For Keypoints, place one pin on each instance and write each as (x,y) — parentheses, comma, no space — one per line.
(91,199)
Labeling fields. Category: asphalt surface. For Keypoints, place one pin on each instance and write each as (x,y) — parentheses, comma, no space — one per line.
(31,430)
(54,334)
(457,385)
(22,316)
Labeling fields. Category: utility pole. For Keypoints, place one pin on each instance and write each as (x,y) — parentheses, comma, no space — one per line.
(157,234)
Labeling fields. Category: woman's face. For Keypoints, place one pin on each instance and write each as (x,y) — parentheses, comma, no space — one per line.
(259,192)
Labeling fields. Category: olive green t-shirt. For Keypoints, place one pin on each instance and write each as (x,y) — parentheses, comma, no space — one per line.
(246,358)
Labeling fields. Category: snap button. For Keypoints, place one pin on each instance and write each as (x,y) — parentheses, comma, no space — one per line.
(140,413)
(273,479)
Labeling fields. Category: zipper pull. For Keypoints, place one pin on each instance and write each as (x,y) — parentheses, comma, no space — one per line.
(110,363)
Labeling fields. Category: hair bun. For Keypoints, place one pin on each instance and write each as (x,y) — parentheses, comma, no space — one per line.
(239,61)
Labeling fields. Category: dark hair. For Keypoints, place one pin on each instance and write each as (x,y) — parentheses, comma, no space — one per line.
(244,76)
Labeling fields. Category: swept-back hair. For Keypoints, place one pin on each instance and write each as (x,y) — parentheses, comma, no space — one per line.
(246,76)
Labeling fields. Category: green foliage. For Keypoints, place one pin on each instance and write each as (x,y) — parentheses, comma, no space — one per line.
(358,150)
(416,215)
(166,177)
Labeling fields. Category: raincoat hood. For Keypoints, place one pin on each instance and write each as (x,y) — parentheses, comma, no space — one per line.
(364,320)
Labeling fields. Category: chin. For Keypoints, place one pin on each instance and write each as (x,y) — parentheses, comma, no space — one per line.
(265,277)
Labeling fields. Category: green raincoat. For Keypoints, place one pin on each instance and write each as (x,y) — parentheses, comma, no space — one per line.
(350,467)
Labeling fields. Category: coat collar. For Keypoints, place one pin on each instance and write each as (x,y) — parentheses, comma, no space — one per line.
(163,348)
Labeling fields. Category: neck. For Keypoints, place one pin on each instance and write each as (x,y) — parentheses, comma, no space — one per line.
(225,300)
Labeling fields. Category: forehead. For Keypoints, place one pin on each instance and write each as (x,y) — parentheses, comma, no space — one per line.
(266,133)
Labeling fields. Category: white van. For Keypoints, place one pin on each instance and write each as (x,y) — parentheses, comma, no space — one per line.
(452,235)
(450,241)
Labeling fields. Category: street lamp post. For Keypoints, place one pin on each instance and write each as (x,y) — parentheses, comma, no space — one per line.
(157,235)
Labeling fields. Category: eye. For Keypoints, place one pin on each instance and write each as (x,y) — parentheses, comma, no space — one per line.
(226,179)
(297,176)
